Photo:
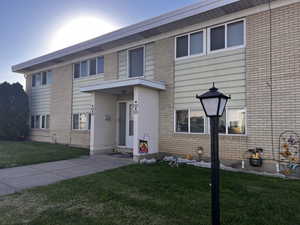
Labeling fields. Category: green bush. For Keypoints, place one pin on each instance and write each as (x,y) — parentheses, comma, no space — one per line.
(14,112)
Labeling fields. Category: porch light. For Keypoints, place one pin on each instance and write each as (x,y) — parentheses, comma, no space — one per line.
(214,103)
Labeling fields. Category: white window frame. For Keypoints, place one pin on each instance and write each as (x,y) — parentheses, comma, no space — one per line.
(41,78)
(207,122)
(189,121)
(227,122)
(144,60)
(209,51)
(87,123)
(189,44)
(88,68)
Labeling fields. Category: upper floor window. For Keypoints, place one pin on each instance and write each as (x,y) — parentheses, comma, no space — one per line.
(88,67)
(42,78)
(227,36)
(136,62)
(190,44)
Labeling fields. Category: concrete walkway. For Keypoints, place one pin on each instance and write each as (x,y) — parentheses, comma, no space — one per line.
(15,179)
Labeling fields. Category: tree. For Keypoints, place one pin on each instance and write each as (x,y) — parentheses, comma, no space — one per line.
(14,112)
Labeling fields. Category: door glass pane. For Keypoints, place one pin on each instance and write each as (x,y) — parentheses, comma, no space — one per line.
(130,119)
(93,66)
(197,121)
(136,62)
(182,46)
(217,38)
(47,121)
(236,121)
(196,44)
(122,123)
(182,121)
(235,34)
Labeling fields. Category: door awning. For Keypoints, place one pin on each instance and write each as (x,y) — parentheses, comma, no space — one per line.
(115,84)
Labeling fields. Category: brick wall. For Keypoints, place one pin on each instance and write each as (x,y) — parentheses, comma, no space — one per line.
(275,89)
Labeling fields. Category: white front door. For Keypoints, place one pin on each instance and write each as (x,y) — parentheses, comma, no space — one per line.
(125,124)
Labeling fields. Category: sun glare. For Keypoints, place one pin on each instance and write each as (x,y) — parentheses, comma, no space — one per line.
(78,30)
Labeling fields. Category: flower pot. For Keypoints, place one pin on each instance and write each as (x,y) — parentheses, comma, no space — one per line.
(256,162)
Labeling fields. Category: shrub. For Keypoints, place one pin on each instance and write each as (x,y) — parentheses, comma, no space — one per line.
(14,112)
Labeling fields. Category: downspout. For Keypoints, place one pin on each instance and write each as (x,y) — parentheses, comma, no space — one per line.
(270,84)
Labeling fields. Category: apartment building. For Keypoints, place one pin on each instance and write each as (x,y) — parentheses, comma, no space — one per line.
(137,85)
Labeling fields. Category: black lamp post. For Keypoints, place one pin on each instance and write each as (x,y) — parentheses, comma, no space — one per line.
(214,103)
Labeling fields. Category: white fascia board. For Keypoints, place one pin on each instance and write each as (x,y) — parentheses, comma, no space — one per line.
(164,19)
(124,83)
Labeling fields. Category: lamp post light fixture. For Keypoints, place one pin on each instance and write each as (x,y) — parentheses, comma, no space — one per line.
(214,103)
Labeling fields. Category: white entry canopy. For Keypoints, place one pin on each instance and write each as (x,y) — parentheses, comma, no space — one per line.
(113,84)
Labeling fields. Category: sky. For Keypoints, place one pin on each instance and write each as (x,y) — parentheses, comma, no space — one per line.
(31,28)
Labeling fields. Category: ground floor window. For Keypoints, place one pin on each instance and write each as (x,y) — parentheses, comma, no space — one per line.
(81,121)
(40,121)
(190,121)
(233,121)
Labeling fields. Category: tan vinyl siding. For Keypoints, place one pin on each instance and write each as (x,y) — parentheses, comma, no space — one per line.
(82,101)
(40,100)
(149,62)
(195,75)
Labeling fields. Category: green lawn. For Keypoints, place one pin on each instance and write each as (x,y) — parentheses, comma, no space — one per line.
(24,153)
(155,194)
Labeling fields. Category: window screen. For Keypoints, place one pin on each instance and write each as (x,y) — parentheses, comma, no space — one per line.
(93,66)
(182,121)
(196,43)
(76,121)
(236,121)
(182,46)
(32,122)
(222,124)
(49,77)
(76,70)
(136,62)
(44,78)
(217,38)
(196,121)
(83,68)
(100,64)
(33,81)
(235,34)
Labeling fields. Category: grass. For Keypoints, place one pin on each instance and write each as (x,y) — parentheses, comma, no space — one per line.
(25,153)
(155,195)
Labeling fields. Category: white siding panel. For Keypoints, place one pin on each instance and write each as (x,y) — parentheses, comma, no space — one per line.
(40,100)
(123,69)
(195,75)
(82,101)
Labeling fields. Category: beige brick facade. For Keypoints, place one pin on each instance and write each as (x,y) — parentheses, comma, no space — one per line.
(273,86)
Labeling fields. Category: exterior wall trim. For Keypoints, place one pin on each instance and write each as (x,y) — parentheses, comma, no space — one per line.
(124,83)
